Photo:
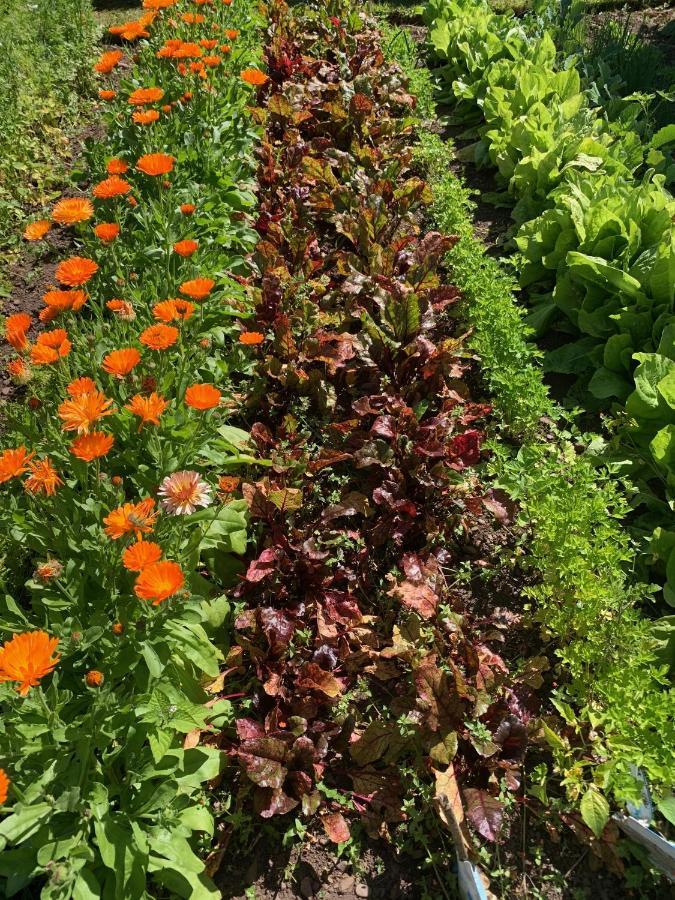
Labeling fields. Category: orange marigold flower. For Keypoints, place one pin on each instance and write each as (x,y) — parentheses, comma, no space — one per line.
(158,4)
(111,187)
(212,61)
(76,271)
(19,371)
(187,208)
(231,33)
(84,385)
(198,288)
(225,48)
(43,478)
(122,309)
(16,328)
(155,164)
(48,570)
(208,43)
(89,447)
(94,678)
(27,658)
(14,463)
(141,554)
(192,18)
(107,61)
(148,408)
(121,362)
(4,786)
(158,581)
(159,337)
(145,116)
(81,412)
(117,167)
(35,231)
(186,247)
(170,310)
(131,518)
(254,77)
(50,346)
(60,301)
(71,210)
(141,96)
(107,231)
(132,31)
(117,628)
(228,484)
(251,337)
(202,396)
(107,94)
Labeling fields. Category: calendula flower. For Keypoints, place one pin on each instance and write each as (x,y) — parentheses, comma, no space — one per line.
(48,570)
(111,187)
(107,94)
(145,116)
(141,96)
(84,385)
(147,408)
(197,288)
(159,337)
(158,4)
(186,247)
(228,484)
(187,208)
(225,48)
(171,310)
(19,371)
(117,629)
(159,581)
(254,77)
(89,447)
(202,396)
(155,164)
(50,346)
(107,231)
(81,412)
(212,61)
(93,678)
(208,43)
(231,34)
(107,61)
(72,210)
(117,167)
(251,337)
(132,31)
(35,231)
(188,50)
(120,362)
(138,556)
(192,18)
(14,463)
(27,658)
(76,271)
(16,330)
(43,478)
(61,301)
(122,309)
(131,518)
(183,492)
(4,786)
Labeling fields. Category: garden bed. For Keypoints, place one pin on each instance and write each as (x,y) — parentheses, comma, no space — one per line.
(306,589)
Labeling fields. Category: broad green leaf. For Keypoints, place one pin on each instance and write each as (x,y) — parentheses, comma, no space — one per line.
(594,811)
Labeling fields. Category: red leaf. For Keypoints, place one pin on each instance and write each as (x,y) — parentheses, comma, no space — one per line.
(336,827)
(485,813)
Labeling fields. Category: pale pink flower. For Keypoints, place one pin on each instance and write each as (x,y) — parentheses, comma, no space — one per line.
(183,492)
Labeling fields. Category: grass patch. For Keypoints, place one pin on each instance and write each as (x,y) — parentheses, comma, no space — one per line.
(45,72)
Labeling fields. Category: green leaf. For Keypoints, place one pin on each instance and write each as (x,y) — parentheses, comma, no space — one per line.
(594,811)
(666,806)
(86,886)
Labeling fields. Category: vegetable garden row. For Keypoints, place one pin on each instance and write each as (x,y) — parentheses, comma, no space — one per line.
(294,541)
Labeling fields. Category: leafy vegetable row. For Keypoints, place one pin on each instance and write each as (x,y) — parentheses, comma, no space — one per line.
(595,230)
